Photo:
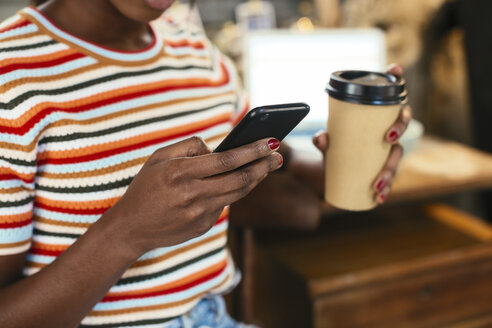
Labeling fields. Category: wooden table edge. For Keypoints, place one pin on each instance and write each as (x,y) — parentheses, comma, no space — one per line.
(386,273)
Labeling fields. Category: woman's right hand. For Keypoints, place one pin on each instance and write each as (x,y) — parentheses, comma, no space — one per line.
(182,189)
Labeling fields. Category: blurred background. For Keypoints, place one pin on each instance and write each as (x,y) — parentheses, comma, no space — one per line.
(436,69)
(424,260)
(446,74)
(433,57)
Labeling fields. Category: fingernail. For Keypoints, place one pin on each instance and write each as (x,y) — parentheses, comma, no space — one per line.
(273,144)
(381,184)
(393,136)
(280,160)
(381,198)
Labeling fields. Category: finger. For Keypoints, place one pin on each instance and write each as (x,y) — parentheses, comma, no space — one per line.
(396,131)
(383,195)
(239,186)
(321,140)
(396,70)
(387,174)
(245,178)
(191,147)
(218,163)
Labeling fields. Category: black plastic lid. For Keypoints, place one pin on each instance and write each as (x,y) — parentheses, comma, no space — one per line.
(368,88)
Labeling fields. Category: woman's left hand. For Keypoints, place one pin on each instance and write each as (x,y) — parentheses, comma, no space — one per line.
(383,182)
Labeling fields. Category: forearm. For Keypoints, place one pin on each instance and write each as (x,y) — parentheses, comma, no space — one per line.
(64,292)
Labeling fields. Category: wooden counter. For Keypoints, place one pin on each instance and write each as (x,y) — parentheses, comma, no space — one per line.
(400,265)
(438,167)
(394,267)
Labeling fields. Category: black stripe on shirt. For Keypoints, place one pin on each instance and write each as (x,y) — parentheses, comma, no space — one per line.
(16,203)
(38,232)
(81,135)
(29,46)
(86,189)
(32,93)
(19,162)
(132,280)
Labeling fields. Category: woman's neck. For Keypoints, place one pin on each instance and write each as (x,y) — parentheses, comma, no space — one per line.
(98,21)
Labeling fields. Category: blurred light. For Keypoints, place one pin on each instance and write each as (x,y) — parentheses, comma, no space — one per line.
(305,24)
(282,66)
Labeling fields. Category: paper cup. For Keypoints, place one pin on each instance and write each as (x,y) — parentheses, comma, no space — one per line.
(363,107)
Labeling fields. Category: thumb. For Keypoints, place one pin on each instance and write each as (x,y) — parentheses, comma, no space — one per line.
(191,147)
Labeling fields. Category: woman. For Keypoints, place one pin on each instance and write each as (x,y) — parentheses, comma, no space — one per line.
(105,189)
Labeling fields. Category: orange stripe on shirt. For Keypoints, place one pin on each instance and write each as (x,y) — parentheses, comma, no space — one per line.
(15,218)
(14,245)
(103,203)
(132,140)
(22,36)
(166,256)
(23,176)
(64,122)
(40,219)
(35,110)
(180,282)
(157,307)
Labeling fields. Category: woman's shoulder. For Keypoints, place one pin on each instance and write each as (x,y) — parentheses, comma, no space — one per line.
(21,40)
(19,33)
(183,32)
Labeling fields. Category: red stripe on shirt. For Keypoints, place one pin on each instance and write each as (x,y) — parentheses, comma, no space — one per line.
(4,177)
(18,25)
(186,44)
(45,252)
(221,219)
(11,225)
(95,211)
(112,152)
(44,64)
(167,290)
(21,130)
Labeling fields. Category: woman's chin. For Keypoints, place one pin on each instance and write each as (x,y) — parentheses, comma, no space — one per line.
(160,5)
(142,10)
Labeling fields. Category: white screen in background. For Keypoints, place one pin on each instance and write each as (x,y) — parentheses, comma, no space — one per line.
(282,67)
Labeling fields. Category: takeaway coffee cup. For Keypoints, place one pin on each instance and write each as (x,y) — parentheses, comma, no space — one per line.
(363,107)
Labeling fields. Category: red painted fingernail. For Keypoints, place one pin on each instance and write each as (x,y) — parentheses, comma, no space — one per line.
(273,144)
(382,198)
(280,160)
(381,184)
(393,136)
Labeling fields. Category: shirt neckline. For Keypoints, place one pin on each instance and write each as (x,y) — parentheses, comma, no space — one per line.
(146,54)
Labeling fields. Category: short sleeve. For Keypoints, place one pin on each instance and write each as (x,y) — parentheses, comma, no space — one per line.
(17,172)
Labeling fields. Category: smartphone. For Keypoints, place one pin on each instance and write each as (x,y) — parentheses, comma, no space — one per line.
(275,121)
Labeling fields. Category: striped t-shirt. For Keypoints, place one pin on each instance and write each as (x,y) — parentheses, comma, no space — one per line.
(77,122)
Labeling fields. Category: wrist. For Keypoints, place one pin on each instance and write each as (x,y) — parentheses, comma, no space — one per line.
(118,236)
